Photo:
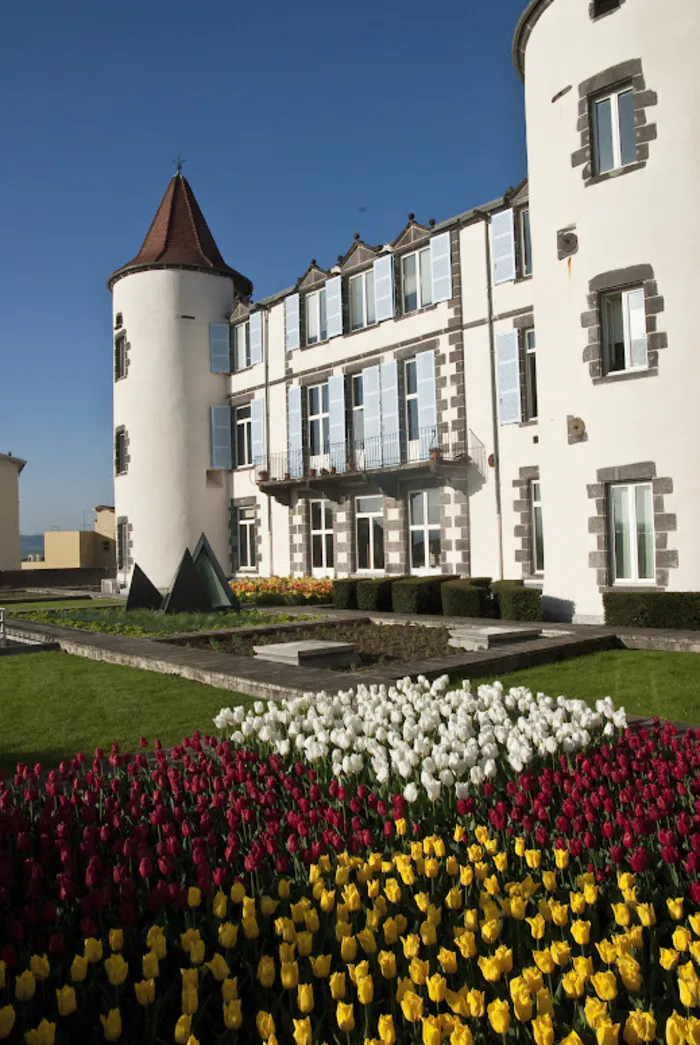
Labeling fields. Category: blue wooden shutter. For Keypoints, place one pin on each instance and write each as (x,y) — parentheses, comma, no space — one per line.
(503,246)
(441,265)
(391,446)
(334,307)
(219,348)
(373,417)
(221,456)
(508,377)
(291,322)
(257,431)
(336,421)
(427,411)
(295,443)
(384,287)
(255,333)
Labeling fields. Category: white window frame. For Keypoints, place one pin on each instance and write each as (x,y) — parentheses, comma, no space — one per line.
(417,254)
(529,348)
(246,424)
(323,419)
(634,580)
(605,300)
(315,304)
(413,445)
(379,570)
(524,243)
(246,539)
(613,96)
(326,569)
(244,329)
(536,507)
(362,278)
(425,528)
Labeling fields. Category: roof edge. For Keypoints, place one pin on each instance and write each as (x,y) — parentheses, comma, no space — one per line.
(526,24)
(17,461)
(240,281)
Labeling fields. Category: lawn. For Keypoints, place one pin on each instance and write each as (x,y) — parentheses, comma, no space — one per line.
(663,684)
(53,705)
(56,604)
(116,621)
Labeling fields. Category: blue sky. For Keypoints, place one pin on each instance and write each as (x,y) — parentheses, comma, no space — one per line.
(291,117)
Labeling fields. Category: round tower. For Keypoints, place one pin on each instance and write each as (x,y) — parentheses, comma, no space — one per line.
(165,491)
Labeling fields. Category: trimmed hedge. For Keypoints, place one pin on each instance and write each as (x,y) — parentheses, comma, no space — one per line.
(345,593)
(418,594)
(375,594)
(653,609)
(465,599)
(479,582)
(516,602)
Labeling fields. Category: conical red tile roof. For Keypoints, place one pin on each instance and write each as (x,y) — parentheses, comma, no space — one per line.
(180,237)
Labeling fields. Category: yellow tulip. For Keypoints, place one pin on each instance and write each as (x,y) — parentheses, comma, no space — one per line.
(219,904)
(533,978)
(265,1023)
(182,1029)
(365,990)
(675,1029)
(44,1034)
(669,958)
(412,1006)
(7,1020)
(522,1006)
(304,943)
(499,1015)
(387,964)
(689,992)
(302,1031)
(461,1035)
(605,985)
(490,969)
(490,930)
(560,913)
(428,933)
(607,1033)
(692,1030)
(583,966)
(116,939)
(630,973)
(622,914)
(345,1017)
(145,991)
(66,1001)
(337,985)
(25,986)
(268,906)
(366,940)
(117,970)
(544,961)
(437,986)
(543,1030)
(78,970)
(573,984)
(577,902)
(581,931)
(194,896)
(520,846)
(266,971)
(572,1039)
(188,939)
(544,1002)
(321,966)
(112,1025)
(289,975)
(533,858)
(39,965)
(237,892)
(595,1011)
(385,1030)
(467,944)
(233,1014)
(640,1026)
(560,951)
(305,997)
(681,938)
(476,1003)
(93,950)
(190,999)
(694,920)
(607,951)
(229,988)
(287,952)
(432,1030)
(447,960)
(549,881)
(251,929)
(418,971)
(561,858)
(517,908)
(590,892)
(466,875)
(197,952)
(537,926)
(156,941)
(647,915)
(218,967)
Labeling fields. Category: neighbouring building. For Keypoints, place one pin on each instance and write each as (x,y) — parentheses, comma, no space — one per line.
(10,554)
(80,549)
(507,392)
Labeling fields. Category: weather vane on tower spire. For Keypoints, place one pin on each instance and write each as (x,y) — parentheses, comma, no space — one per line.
(179,162)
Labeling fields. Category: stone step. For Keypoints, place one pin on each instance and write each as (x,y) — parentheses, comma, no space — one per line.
(471,638)
(309,653)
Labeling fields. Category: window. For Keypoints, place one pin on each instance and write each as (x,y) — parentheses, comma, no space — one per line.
(246,538)
(118,320)
(632,533)
(241,346)
(614,139)
(318,420)
(120,461)
(321,538)
(624,330)
(603,7)
(416,280)
(538,547)
(530,375)
(424,527)
(316,327)
(369,521)
(362,312)
(524,242)
(119,357)
(411,398)
(122,543)
(244,436)
(358,411)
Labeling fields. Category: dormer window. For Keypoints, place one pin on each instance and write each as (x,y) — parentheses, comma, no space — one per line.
(416,280)
(361,293)
(316,323)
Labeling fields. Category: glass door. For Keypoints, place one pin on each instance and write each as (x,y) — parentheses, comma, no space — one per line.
(322,552)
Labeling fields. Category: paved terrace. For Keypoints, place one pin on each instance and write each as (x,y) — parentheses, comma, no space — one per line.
(268,681)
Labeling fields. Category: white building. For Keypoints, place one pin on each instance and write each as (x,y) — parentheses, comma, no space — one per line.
(509,392)
(10,554)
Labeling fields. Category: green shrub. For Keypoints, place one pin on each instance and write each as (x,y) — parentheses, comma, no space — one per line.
(270,598)
(516,602)
(345,593)
(374,594)
(479,582)
(653,609)
(418,594)
(465,599)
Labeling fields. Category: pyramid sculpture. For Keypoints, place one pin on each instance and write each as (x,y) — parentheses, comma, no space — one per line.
(187,593)
(143,594)
(213,577)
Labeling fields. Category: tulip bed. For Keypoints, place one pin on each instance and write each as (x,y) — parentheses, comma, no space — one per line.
(292,591)
(225,892)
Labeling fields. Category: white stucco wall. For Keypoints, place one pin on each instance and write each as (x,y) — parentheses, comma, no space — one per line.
(646,216)
(164,402)
(10,556)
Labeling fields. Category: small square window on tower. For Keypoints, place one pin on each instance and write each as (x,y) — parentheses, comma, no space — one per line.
(119,320)
(603,7)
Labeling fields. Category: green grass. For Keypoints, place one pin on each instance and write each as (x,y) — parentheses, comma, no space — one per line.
(140,623)
(53,705)
(663,684)
(57,604)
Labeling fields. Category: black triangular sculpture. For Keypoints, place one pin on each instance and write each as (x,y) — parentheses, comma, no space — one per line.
(143,594)
(187,593)
(213,577)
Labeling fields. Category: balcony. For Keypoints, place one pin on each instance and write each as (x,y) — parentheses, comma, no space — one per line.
(382,461)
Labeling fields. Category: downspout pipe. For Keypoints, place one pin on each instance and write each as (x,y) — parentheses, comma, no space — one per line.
(266,353)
